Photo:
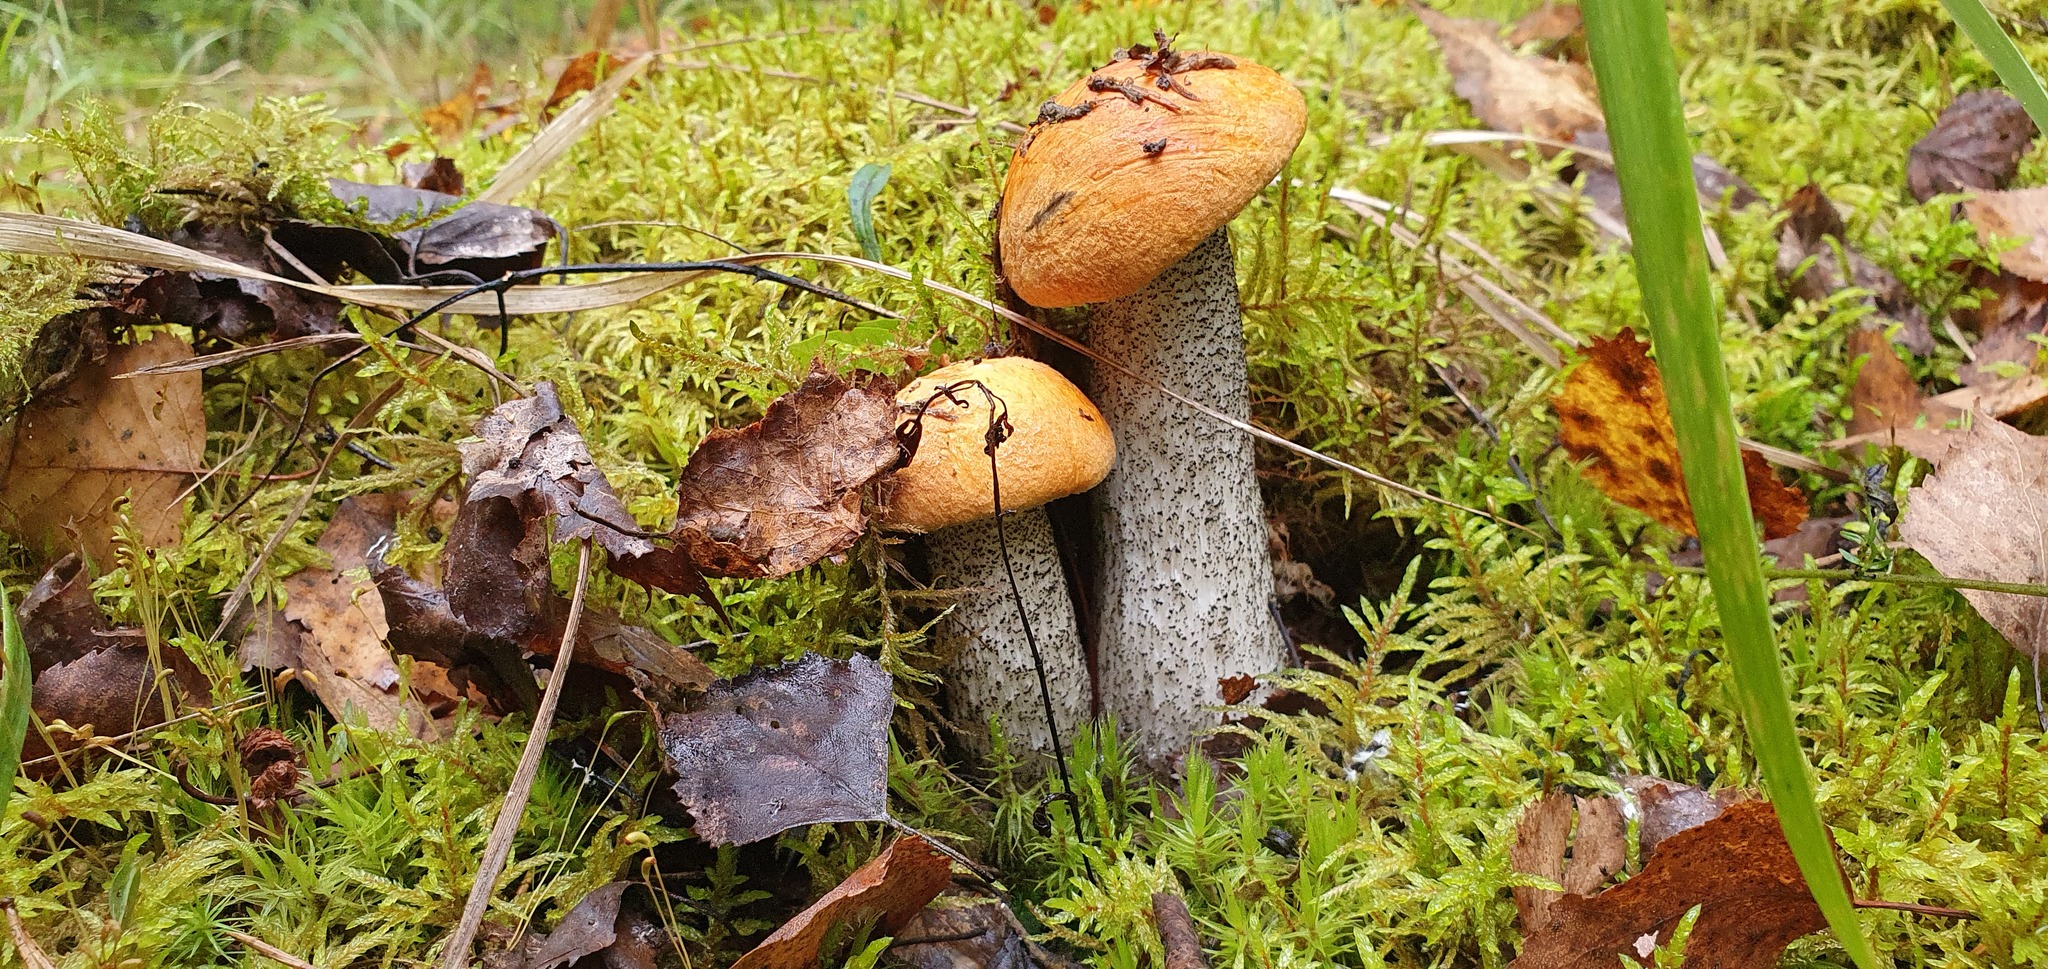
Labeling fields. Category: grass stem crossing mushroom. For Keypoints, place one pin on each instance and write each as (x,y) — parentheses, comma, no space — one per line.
(1058,444)
(1119,197)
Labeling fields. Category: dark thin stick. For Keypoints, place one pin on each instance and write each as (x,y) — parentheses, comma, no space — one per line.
(509,280)
(1917,909)
(999,431)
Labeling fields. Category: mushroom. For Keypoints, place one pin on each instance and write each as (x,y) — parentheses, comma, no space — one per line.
(1119,197)
(1058,444)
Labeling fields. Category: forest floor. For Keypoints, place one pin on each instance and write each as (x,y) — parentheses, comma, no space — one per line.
(1529,644)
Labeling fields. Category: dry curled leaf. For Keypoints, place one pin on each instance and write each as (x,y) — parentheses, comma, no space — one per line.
(783,492)
(530,461)
(1510,92)
(342,654)
(1976,144)
(75,453)
(1736,867)
(804,743)
(961,930)
(1982,514)
(1612,412)
(896,885)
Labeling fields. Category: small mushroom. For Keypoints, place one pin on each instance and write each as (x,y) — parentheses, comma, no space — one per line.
(1091,216)
(1058,445)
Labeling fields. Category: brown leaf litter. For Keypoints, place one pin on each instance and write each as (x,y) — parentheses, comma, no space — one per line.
(1982,514)
(1735,867)
(782,493)
(803,743)
(1612,412)
(607,929)
(966,930)
(1509,91)
(889,890)
(78,456)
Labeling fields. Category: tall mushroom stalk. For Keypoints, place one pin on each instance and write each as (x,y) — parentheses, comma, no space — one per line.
(1016,652)
(1119,197)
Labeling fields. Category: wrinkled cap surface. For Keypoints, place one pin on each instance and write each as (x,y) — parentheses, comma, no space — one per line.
(1097,205)
(1059,445)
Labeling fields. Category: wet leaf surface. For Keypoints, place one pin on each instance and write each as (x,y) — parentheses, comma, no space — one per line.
(783,492)
(73,456)
(1981,515)
(1665,808)
(899,882)
(803,743)
(969,931)
(1976,144)
(1735,867)
(1613,413)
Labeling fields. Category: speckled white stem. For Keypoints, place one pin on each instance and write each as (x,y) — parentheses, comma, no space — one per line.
(990,674)
(1184,579)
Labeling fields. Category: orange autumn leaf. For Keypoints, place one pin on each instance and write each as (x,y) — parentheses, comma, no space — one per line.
(455,115)
(1613,414)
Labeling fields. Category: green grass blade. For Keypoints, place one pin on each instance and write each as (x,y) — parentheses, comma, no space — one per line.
(14,698)
(2013,71)
(1638,80)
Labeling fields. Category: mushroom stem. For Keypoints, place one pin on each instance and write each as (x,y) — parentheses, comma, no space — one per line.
(1184,579)
(990,673)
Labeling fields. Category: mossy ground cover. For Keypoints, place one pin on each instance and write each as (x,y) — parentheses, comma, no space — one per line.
(1472,667)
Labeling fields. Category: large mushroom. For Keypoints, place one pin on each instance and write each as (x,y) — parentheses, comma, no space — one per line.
(1056,444)
(1119,197)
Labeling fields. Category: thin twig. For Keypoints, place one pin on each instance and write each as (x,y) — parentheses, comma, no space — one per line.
(1918,909)
(268,951)
(499,848)
(1881,578)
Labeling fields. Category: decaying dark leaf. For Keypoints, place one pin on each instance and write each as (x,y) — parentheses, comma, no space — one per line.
(961,930)
(483,239)
(783,492)
(1545,839)
(589,928)
(531,460)
(1976,144)
(1811,244)
(804,743)
(98,682)
(440,174)
(455,115)
(234,307)
(1612,411)
(1884,395)
(1736,867)
(896,885)
(1977,517)
(69,460)
(1510,92)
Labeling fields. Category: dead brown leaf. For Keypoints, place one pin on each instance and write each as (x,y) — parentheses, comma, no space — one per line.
(1544,839)
(1976,144)
(1664,808)
(74,455)
(1981,515)
(455,115)
(781,493)
(2019,214)
(583,74)
(1812,243)
(1554,26)
(1736,868)
(803,743)
(340,650)
(98,681)
(1510,92)
(1884,395)
(962,930)
(1612,412)
(896,885)
(439,175)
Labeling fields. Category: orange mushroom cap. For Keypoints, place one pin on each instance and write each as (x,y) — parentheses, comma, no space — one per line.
(1059,445)
(1097,205)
